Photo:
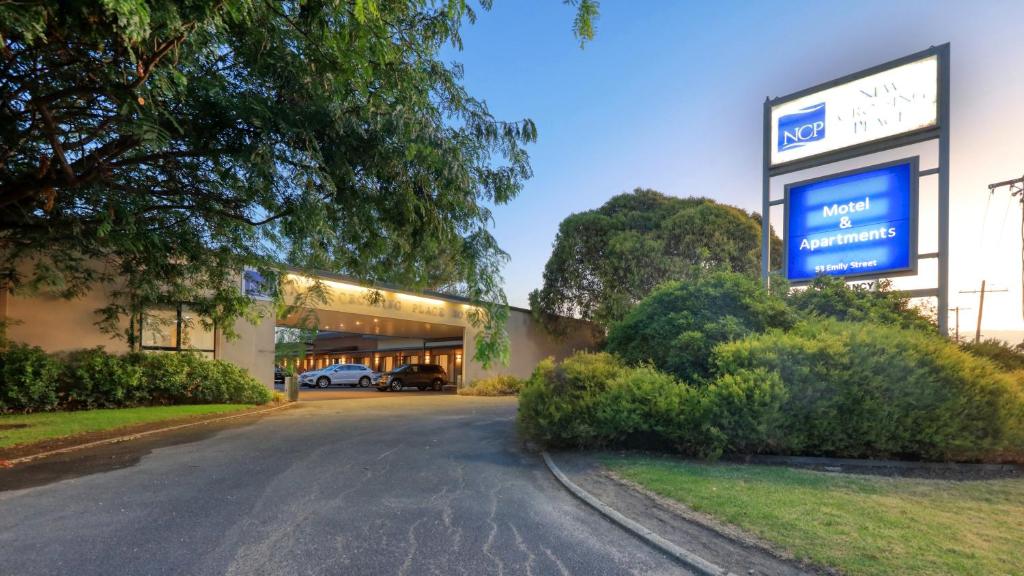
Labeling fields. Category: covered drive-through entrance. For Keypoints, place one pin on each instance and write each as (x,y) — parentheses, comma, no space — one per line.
(380,343)
(385,328)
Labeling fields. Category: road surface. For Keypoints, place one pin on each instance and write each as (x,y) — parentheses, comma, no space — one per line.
(395,484)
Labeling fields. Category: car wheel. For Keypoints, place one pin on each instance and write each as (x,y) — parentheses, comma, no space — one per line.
(438,384)
(364,382)
(396,385)
(323,381)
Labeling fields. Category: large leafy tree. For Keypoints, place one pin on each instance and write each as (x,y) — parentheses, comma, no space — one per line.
(168,145)
(606,260)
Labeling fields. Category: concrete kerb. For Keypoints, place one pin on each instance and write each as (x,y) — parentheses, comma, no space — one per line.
(687,558)
(30,458)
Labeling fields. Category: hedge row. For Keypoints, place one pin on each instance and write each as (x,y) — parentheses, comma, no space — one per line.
(32,380)
(868,390)
(825,388)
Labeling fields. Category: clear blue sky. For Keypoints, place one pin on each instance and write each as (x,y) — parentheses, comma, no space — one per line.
(669,95)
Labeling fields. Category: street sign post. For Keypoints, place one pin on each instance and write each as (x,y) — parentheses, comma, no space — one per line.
(863,223)
(859,223)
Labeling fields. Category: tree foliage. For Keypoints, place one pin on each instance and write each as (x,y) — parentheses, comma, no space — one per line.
(606,260)
(877,302)
(169,145)
(1007,356)
(678,326)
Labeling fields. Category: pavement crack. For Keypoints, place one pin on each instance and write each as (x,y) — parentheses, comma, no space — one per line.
(489,544)
(407,565)
(530,558)
(558,563)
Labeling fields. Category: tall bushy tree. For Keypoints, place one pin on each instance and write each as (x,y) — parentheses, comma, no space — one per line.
(172,144)
(606,260)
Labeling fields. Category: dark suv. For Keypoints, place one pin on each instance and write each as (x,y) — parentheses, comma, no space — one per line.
(420,376)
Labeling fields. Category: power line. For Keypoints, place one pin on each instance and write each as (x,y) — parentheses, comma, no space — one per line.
(1006,213)
(981,306)
(984,221)
(957,309)
(1016,186)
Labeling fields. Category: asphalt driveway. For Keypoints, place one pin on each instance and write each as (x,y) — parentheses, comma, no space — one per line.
(399,484)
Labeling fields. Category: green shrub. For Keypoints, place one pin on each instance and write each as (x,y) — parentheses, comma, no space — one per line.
(1006,356)
(743,409)
(229,384)
(648,409)
(500,385)
(1014,445)
(31,380)
(677,326)
(866,390)
(28,379)
(166,376)
(594,400)
(828,297)
(557,405)
(93,378)
(184,378)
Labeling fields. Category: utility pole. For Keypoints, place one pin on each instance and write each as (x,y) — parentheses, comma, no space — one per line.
(981,306)
(957,310)
(1016,186)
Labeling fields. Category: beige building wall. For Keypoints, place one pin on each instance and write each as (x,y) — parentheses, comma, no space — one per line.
(253,348)
(57,325)
(529,343)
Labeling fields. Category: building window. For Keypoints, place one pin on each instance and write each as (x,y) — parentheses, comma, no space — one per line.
(177,329)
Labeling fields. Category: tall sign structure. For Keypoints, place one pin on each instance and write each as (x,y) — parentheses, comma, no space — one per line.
(862,223)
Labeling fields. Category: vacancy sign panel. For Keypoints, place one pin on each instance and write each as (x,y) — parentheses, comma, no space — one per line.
(859,223)
(889,103)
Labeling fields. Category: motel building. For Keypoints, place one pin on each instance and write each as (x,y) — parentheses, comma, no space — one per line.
(393,328)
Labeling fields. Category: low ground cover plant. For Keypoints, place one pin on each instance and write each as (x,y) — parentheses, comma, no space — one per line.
(33,381)
(500,385)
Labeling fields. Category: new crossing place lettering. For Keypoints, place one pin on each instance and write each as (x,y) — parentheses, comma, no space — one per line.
(855,224)
(882,105)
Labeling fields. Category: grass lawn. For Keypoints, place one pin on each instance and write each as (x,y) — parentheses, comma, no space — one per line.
(858,524)
(24,428)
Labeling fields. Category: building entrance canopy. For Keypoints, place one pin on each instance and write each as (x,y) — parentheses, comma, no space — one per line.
(360,303)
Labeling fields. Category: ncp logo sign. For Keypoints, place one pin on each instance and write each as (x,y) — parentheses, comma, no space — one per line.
(803,126)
